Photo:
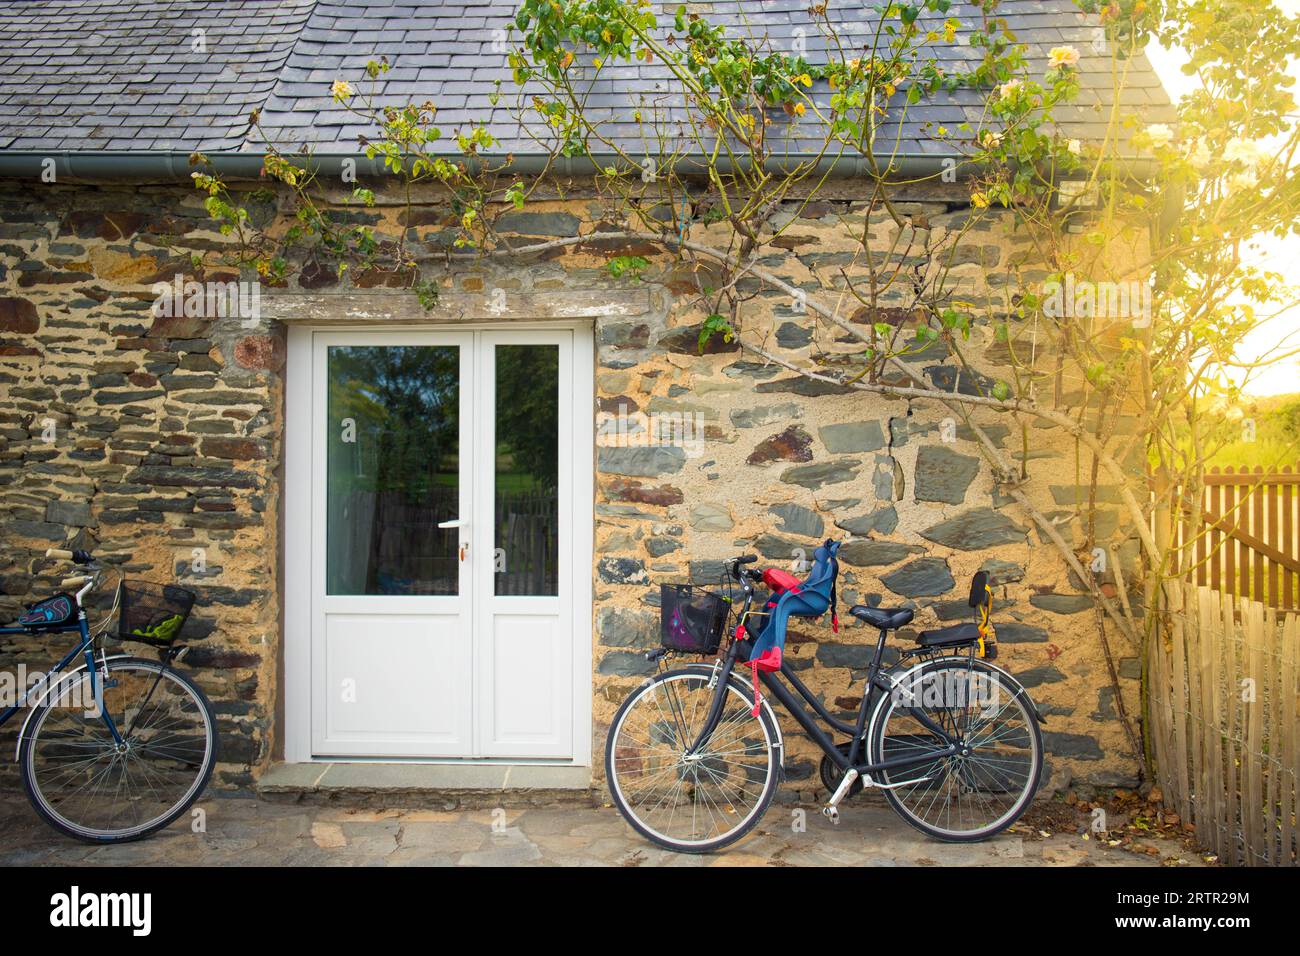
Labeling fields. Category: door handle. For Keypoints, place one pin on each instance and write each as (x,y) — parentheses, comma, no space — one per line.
(457,523)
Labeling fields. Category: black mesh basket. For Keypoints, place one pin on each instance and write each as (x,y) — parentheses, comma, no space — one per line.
(152,613)
(691,619)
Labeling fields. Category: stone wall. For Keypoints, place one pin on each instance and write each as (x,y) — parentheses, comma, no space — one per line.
(166,448)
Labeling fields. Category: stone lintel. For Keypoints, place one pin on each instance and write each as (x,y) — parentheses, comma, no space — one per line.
(403,306)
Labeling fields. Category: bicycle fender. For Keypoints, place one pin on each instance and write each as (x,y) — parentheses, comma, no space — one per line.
(1038,715)
(749,693)
(33,707)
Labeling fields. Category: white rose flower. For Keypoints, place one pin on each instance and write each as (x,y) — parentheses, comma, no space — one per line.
(1160,135)
(1245,151)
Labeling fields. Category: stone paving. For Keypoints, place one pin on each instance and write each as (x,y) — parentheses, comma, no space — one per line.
(243,831)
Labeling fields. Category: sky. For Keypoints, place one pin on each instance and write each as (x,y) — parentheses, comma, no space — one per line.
(1277,255)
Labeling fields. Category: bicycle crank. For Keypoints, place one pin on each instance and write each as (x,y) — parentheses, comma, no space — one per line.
(831,810)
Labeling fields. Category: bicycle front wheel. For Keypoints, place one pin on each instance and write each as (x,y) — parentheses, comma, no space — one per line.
(86,783)
(691,803)
(986,786)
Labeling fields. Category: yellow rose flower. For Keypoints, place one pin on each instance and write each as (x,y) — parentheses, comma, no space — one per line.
(1059,56)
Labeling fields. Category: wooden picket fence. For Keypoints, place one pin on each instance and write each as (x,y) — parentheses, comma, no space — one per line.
(1223,711)
(1247,541)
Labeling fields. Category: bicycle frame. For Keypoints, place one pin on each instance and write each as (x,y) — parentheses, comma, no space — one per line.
(85,645)
(778,690)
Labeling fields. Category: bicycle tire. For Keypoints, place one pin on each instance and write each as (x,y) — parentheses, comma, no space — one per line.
(774,769)
(1032,736)
(43,805)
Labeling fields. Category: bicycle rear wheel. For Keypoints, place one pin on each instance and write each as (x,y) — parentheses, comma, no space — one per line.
(86,784)
(691,803)
(971,795)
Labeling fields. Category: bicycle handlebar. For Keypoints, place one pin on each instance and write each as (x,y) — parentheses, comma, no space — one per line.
(76,580)
(76,557)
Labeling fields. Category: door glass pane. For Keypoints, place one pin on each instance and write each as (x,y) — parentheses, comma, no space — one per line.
(527,469)
(393,462)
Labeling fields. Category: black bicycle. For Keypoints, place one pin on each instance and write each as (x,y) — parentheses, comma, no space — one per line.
(952,740)
(115,747)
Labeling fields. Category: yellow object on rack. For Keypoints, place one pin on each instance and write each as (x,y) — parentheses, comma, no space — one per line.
(985,628)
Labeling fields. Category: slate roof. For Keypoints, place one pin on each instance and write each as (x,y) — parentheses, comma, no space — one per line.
(95,74)
(121,75)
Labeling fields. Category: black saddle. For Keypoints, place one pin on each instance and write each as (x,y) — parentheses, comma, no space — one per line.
(882,617)
(958,634)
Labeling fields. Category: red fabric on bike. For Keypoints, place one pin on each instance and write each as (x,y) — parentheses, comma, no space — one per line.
(779,580)
(769,660)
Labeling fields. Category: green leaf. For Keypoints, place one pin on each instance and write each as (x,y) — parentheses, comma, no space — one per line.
(712,325)
(630,266)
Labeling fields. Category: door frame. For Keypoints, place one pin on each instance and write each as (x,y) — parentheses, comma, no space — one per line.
(297,509)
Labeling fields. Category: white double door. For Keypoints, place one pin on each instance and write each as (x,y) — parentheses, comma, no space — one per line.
(442,610)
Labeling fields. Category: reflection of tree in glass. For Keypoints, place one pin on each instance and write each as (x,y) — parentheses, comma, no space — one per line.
(388,489)
(404,401)
(527,468)
(527,411)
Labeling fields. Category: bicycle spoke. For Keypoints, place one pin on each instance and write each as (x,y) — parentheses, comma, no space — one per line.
(99,789)
(689,798)
(969,794)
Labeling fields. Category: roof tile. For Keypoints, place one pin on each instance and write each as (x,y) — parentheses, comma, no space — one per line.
(116,73)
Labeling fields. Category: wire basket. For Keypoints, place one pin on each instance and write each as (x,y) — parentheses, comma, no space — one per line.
(152,613)
(691,619)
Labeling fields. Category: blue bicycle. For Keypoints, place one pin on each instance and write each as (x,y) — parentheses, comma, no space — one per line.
(115,747)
